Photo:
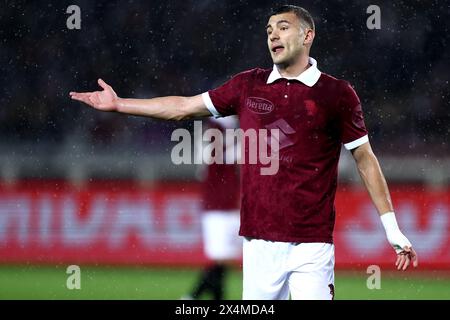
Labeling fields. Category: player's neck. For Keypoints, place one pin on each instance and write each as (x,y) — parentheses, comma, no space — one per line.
(294,69)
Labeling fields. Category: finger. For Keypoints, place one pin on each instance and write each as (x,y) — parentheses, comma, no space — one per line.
(412,255)
(414,258)
(402,260)
(72,94)
(83,97)
(407,262)
(79,97)
(103,84)
(80,94)
(398,260)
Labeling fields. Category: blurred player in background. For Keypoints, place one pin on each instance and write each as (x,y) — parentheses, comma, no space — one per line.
(220,216)
(287,218)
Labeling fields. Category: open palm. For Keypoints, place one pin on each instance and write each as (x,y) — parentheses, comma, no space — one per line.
(105,100)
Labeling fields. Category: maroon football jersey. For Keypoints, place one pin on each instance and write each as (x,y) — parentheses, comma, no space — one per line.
(220,190)
(315,114)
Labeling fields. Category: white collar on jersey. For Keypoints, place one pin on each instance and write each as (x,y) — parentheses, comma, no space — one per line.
(309,77)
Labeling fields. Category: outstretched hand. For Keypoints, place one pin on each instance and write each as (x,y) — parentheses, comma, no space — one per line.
(105,100)
(405,257)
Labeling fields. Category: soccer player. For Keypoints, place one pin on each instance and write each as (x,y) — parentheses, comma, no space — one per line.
(287,218)
(220,214)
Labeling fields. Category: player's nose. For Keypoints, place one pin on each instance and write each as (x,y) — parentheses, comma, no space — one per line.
(274,36)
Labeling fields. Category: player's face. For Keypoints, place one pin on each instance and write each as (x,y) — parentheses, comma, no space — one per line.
(285,38)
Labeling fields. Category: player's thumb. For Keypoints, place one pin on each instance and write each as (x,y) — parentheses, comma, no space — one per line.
(413,255)
(102,84)
(415,261)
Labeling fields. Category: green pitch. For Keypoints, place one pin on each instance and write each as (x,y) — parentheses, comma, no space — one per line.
(49,282)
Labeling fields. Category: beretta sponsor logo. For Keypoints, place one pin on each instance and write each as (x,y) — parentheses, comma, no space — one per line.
(259,105)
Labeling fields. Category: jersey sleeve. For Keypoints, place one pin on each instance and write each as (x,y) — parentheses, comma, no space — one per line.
(224,100)
(353,130)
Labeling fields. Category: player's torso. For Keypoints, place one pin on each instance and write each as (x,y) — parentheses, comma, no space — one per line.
(305,116)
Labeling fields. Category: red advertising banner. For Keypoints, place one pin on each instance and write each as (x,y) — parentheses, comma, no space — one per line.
(423,216)
(124,223)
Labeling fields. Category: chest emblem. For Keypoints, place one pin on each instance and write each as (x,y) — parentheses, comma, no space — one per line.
(259,105)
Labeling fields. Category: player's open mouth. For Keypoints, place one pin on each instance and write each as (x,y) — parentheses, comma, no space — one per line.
(277,49)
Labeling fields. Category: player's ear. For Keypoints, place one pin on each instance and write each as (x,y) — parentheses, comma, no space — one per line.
(309,37)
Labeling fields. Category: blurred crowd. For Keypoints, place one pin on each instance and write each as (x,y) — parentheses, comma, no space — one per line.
(154,48)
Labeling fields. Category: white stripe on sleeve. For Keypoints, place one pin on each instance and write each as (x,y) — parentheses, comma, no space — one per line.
(208,103)
(356,143)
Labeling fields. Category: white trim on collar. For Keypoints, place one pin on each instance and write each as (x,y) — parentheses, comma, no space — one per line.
(309,77)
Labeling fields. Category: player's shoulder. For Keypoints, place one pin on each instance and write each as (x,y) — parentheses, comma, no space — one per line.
(255,73)
(331,80)
(334,83)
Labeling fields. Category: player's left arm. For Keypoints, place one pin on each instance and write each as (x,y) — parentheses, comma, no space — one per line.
(373,178)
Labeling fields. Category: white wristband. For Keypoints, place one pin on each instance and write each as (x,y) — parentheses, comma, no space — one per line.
(389,222)
(393,233)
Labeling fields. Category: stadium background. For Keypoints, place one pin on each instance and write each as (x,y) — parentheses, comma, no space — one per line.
(80,187)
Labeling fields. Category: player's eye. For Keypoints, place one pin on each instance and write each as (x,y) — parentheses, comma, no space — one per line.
(284,28)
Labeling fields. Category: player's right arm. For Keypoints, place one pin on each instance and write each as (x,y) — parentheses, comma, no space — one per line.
(168,108)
